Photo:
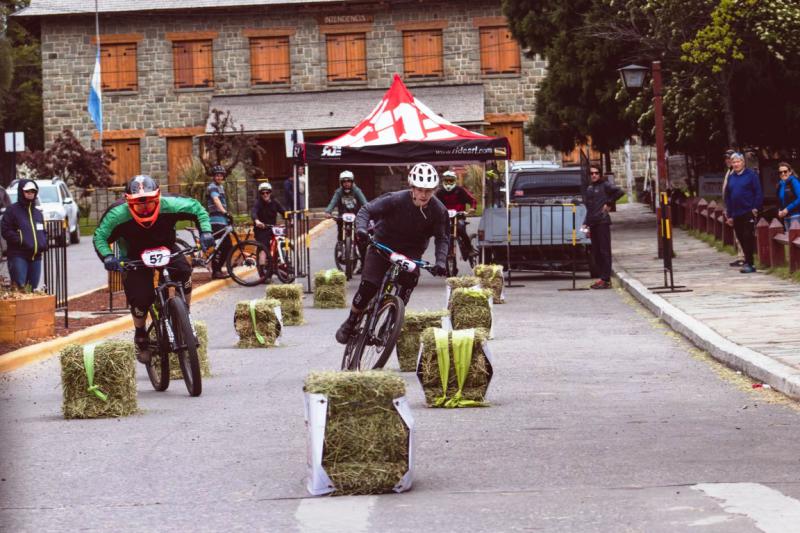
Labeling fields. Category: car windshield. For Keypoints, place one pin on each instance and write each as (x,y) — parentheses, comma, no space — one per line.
(547,184)
(48,194)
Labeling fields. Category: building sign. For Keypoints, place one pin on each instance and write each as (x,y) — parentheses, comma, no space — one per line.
(345,19)
(710,185)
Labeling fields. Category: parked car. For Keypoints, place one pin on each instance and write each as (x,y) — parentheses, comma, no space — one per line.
(546,205)
(57,203)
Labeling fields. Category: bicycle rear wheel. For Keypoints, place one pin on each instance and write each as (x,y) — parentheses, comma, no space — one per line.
(185,345)
(158,368)
(351,349)
(284,267)
(247,263)
(376,345)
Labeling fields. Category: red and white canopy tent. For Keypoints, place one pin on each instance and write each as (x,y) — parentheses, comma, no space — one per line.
(403,130)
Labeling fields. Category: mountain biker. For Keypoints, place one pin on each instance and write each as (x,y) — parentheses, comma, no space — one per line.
(456,197)
(217,204)
(265,213)
(404,221)
(348,198)
(142,220)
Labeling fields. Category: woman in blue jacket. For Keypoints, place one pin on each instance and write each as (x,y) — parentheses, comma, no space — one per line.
(788,194)
(23,229)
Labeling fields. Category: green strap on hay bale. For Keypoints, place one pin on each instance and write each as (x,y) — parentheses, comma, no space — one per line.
(259,336)
(266,323)
(460,380)
(408,342)
(469,308)
(202,354)
(291,298)
(109,368)
(366,441)
(491,277)
(88,365)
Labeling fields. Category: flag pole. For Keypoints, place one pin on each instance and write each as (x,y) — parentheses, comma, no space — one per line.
(97,38)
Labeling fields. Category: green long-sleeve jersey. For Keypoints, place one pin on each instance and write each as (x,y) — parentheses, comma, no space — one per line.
(117,225)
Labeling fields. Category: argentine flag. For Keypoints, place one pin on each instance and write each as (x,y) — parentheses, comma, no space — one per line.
(96,96)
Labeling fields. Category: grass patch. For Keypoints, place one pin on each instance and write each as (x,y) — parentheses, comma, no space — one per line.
(711,241)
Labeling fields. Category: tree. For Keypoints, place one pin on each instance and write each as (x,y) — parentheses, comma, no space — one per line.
(21,104)
(577,99)
(69,160)
(229,146)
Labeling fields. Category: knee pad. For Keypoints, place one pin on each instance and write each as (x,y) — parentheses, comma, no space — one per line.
(366,291)
(137,312)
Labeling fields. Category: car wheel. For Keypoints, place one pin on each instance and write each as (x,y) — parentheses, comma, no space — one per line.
(75,236)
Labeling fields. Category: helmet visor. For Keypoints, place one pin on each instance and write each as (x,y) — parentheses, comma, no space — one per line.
(143,206)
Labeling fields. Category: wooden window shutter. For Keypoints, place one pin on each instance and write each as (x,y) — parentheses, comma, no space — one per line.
(258,61)
(509,53)
(182,64)
(347,57)
(127,163)
(203,64)
(269,60)
(422,52)
(129,79)
(108,68)
(410,57)
(337,58)
(490,52)
(357,57)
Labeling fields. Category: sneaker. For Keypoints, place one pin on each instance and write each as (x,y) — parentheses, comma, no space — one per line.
(345,331)
(600,284)
(736,263)
(142,348)
(747,269)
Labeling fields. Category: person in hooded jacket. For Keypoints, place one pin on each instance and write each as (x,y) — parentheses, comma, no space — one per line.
(24,231)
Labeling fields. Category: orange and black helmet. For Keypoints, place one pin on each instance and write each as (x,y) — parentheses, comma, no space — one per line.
(144,200)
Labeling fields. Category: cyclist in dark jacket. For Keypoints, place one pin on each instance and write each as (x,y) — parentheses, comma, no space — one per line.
(600,195)
(458,198)
(404,221)
(143,220)
(24,231)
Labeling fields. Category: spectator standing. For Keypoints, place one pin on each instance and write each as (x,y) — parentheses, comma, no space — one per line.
(600,196)
(743,199)
(24,231)
(217,205)
(739,261)
(788,194)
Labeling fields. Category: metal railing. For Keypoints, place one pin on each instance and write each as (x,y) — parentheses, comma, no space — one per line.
(54,264)
(297,231)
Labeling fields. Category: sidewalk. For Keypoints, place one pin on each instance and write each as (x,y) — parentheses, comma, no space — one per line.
(748,321)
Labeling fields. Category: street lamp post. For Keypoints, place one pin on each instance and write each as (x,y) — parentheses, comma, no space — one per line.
(633,78)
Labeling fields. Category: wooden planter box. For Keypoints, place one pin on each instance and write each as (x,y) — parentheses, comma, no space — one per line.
(27,318)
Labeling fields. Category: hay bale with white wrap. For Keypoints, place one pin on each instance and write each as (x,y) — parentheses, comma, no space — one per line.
(455,367)
(408,342)
(360,433)
(99,380)
(202,354)
(329,289)
(491,277)
(291,298)
(257,322)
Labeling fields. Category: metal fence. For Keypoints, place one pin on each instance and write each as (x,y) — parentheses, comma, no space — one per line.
(297,231)
(54,264)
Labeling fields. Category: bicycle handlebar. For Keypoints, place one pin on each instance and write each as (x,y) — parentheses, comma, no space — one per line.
(425,265)
(136,264)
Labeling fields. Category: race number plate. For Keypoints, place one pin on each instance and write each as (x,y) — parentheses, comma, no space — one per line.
(348,217)
(404,262)
(278,231)
(156,257)
(452,213)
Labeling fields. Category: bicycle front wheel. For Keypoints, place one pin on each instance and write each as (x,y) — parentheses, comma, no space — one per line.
(248,263)
(185,345)
(284,268)
(348,258)
(376,344)
(158,368)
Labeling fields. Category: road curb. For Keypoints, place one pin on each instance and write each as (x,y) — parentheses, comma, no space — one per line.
(758,366)
(44,350)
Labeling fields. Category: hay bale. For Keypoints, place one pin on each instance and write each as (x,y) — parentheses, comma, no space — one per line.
(329,289)
(114,375)
(478,377)
(366,442)
(463,282)
(491,277)
(202,354)
(470,308)
(267,321)
(408,343)
(291,298)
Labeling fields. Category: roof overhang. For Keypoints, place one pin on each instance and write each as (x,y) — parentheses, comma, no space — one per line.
(329,111)
(49,8)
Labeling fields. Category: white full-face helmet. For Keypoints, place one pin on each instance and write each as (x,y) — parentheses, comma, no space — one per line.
(449,180)
(424,176)
(346,175)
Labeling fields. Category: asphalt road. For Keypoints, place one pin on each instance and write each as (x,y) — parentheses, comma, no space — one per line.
(601,420)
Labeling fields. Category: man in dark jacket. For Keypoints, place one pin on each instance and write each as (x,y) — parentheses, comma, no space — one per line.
(743,199)
(24,231)
(599,197)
